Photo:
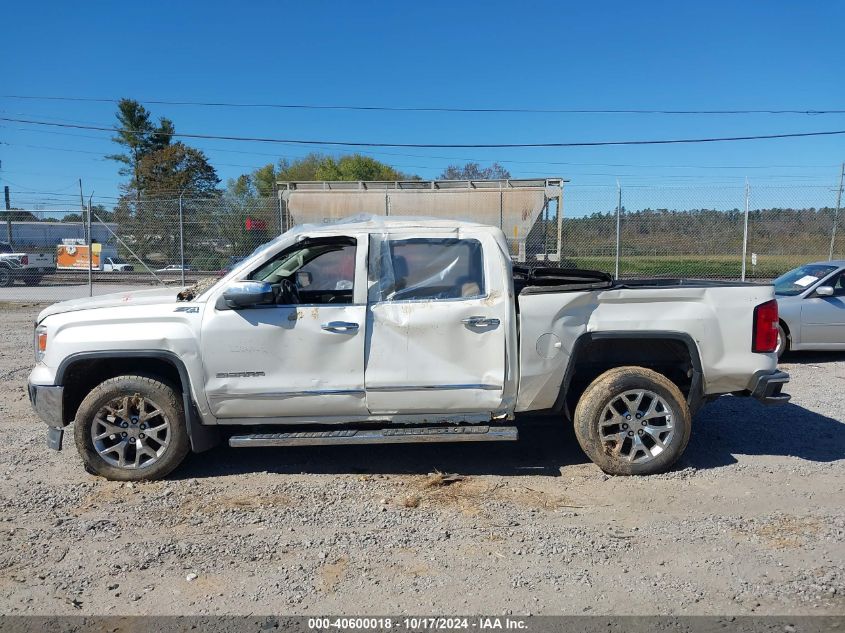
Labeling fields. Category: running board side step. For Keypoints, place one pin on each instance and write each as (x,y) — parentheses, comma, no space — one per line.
(379,436)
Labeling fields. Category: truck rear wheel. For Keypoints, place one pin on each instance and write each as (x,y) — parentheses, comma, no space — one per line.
(632,421)
(131,428)
(32,280)
(6,277)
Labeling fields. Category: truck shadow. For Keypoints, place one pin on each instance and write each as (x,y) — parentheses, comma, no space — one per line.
(723,429)
(741,426)
(542,448)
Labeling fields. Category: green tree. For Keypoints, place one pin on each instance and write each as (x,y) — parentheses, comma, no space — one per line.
(174,169)
(140,137)
(474,171)
(314,166)
(304,168)
(357,167)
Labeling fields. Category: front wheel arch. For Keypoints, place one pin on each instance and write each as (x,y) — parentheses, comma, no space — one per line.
(131,427)
(81,372)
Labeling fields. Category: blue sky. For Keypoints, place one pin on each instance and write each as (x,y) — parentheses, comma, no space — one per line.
(681,55)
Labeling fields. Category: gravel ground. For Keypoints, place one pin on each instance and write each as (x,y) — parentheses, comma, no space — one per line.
(751,520)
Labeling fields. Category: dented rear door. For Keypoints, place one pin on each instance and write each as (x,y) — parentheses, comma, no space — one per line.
(438,317)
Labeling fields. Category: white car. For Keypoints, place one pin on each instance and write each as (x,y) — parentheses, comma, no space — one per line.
(173,268)
(392,331)
(811,304)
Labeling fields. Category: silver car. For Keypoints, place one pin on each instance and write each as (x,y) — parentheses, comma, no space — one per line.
(811,304)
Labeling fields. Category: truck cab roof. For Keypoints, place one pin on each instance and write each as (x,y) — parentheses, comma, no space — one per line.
(369,222)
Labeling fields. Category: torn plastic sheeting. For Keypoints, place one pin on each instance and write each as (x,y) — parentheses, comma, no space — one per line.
(428,268)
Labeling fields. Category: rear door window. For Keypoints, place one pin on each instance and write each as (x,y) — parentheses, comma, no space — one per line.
(431,269)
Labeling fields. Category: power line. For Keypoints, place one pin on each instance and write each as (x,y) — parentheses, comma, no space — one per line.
(456,158)
(723,139)
(375,108)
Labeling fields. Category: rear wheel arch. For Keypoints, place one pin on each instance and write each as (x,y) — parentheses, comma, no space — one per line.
(80,373)
(672,354)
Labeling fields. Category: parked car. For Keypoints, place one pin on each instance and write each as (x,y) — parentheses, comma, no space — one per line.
(173,268)
(392,331)
(811,304)
(233,262)
(27,267)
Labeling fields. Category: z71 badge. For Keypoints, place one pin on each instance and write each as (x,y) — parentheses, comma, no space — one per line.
(188,309)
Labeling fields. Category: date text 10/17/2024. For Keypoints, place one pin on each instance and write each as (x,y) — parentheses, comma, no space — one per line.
(482,623)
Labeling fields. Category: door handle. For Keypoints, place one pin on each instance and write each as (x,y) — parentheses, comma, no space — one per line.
(480,321)
(342,327)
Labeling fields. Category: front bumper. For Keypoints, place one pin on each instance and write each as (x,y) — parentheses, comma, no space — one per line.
(47,400)
(766,386)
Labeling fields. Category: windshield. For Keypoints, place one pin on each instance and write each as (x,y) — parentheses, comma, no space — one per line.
(286,264)
(798,280)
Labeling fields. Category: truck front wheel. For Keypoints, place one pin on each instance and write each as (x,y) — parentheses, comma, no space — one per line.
(632,421)
(131,428)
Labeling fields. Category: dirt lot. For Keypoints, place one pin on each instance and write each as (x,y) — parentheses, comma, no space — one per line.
(751,521)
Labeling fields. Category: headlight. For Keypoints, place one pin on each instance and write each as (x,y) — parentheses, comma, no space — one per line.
(40,343)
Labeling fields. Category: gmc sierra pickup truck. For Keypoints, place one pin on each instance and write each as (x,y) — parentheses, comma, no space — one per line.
(383,330)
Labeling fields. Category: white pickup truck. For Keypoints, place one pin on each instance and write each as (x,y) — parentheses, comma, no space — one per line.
(395,330)
(27,267)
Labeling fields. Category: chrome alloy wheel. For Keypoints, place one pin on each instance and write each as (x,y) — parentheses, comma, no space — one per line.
(636,426)
(131,432)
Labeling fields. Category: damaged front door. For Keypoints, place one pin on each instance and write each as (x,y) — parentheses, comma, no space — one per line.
(302,355)
(438,328)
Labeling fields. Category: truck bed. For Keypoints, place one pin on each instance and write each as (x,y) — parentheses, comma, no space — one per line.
(558,306)
(543,279)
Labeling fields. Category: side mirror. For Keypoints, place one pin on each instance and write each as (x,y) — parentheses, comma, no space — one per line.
(245,294)
(303,279)
(824,291)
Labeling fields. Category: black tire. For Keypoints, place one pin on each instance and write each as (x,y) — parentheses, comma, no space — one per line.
(32,280)
(6,277)
(783,341)
(594,407)
(165,398)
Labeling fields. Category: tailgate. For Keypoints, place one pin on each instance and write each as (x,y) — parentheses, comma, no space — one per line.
(39,260)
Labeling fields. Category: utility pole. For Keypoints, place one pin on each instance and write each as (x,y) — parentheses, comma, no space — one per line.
(560,225)
(745,231)
(836,213)
(618,227)
(8,212)
(86,227)
(90,250)
(182,239)
(8,215)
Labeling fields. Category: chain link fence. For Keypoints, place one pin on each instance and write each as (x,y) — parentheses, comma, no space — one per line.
(626,231)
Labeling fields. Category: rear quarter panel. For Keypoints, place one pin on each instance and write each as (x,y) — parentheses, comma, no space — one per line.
(718,319)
